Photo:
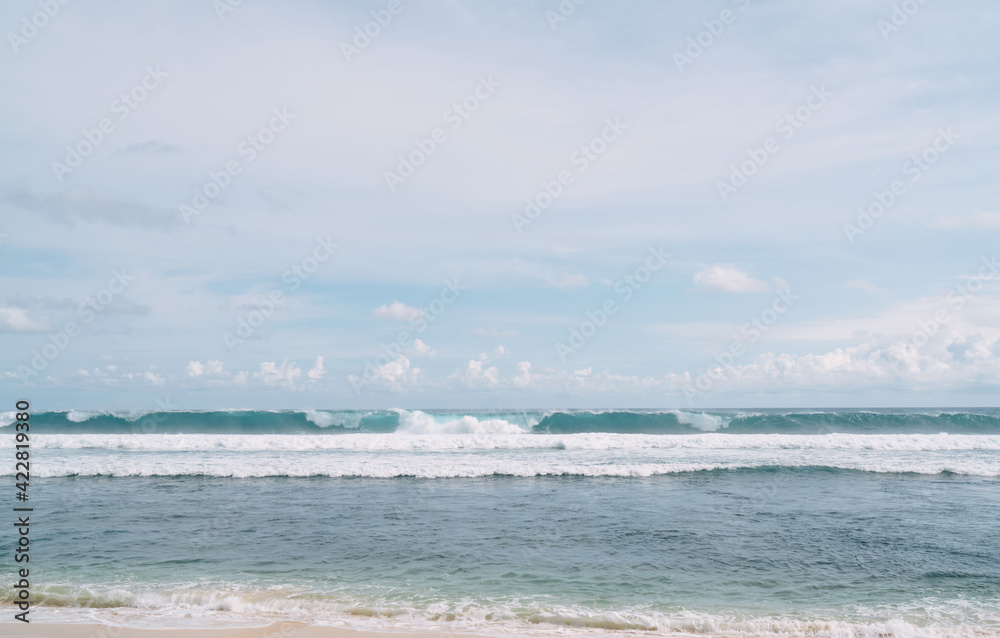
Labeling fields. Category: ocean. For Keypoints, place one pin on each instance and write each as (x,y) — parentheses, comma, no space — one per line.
(830,523)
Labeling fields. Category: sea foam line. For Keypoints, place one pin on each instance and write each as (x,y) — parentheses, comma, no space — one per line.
(238,605)
(476,466)
(404,442)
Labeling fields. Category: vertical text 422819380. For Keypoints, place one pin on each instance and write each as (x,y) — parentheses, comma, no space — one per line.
(22,512)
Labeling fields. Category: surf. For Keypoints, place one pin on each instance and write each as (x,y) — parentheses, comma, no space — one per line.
(408,421)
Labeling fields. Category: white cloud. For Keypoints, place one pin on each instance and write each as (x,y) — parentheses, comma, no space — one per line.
(476,375)
(974,348)
(397,375)
(212,368)
(14,319)
(394,371)
(398,310)
(728,279)
(950,361)
(976,314)
(271,373)
(102,373)
(421,348)
(153,378)
(317,371)
(148,376)
(523,378)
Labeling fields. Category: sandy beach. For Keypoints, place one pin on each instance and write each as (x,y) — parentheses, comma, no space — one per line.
(276,630)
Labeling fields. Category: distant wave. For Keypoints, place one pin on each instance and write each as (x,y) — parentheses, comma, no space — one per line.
(219,421)
(417,422)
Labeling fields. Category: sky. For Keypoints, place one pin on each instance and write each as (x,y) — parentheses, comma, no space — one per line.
(750,203)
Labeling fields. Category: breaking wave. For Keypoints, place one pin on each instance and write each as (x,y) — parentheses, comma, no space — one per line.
(316,421)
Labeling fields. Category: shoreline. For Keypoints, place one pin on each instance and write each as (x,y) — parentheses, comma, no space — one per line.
(274,630)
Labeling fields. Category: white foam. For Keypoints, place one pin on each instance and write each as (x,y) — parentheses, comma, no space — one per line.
(193,606)
(491,449)
(320,418)
(417,422)
(702,421)
(79,416)
(476,463)
(426,435)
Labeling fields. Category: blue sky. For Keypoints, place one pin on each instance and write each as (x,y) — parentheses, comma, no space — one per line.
(698,166)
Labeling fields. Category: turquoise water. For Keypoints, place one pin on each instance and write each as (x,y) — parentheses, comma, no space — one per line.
(774,523)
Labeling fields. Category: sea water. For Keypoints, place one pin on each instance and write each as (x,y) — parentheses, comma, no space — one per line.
(763,523)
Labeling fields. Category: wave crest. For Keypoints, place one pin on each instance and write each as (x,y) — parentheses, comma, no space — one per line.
(417,422)
(660,422)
